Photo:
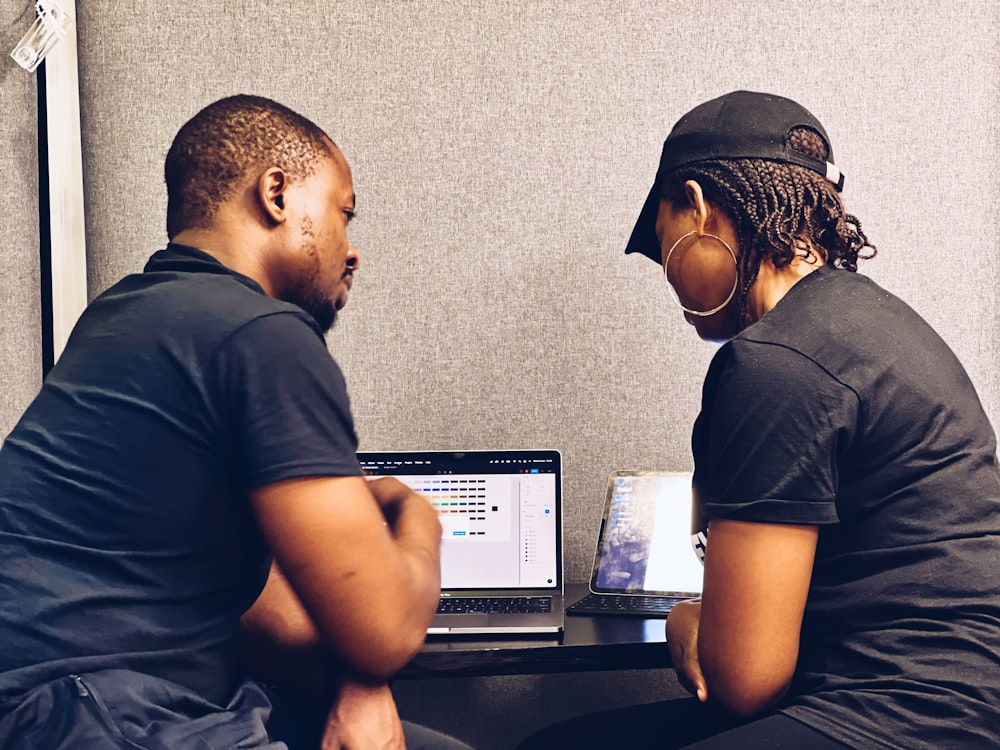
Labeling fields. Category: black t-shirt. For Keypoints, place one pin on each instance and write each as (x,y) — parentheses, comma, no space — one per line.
(126,535)
(842,408)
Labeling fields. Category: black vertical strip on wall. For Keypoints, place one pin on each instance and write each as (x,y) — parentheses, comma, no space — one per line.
(44,227)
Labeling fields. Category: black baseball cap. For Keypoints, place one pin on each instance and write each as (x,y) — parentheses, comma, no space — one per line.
(738,125)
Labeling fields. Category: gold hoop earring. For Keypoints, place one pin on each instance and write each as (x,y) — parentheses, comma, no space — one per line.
(673,294)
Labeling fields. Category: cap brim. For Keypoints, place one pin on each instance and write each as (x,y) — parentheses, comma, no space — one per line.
(643,239)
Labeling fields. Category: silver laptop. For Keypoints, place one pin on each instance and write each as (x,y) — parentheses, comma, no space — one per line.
(501,546)
(644,562)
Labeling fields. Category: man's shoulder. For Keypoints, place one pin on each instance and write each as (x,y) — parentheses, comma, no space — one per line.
(197,302)
(154,321)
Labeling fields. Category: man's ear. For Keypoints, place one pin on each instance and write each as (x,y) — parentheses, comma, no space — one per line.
(272,186)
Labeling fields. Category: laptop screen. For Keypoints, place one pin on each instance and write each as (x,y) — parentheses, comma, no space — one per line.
(644,546)
(500,513)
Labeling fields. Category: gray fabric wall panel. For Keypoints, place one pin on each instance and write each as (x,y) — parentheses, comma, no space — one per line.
(20,309)
(501,151)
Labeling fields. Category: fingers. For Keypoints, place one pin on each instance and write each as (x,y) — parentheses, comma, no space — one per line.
(682,640)
(688,668)
(698,686)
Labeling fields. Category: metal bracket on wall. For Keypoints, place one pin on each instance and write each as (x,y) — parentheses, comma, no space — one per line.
(62,226)
(49,29)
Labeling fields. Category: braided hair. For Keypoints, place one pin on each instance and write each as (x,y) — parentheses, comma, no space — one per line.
(780,210)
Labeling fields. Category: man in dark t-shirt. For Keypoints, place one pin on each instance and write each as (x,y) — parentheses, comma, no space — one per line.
(181,508)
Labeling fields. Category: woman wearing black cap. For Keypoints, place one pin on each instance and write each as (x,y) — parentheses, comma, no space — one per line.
(846,481)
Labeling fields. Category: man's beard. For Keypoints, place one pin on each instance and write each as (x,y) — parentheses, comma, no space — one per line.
(307,296)
(304,290)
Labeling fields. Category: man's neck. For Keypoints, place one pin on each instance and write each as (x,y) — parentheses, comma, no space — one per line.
(229,251)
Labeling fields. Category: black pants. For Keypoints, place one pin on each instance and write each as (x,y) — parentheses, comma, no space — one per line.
(122,710)
(684,723)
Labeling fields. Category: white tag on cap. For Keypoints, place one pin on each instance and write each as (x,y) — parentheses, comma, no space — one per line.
(834,175)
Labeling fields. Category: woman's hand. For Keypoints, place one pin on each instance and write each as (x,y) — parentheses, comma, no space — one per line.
(682,640)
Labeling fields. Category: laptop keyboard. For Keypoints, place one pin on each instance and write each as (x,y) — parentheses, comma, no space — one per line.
(457,605)
(615,604)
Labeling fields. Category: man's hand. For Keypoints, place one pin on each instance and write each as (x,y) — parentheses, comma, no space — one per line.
(394,498)
(363,718)
(682,639)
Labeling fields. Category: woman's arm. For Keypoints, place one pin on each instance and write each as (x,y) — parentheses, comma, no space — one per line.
(756,582)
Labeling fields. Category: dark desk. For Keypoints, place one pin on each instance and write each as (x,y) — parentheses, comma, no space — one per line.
(602,642)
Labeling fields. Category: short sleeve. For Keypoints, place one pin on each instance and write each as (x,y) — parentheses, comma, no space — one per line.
(767,441)
(286,401)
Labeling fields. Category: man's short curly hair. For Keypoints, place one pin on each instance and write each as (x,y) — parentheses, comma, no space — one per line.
(774,206)
(225,141)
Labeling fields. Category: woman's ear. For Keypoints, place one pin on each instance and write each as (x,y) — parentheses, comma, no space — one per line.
(697,203)
(271,188)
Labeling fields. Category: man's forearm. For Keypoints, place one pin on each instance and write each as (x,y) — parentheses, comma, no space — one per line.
(371,589)
(278,641)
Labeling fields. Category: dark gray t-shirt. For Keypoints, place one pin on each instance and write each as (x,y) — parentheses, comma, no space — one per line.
(842,408)
(127,539)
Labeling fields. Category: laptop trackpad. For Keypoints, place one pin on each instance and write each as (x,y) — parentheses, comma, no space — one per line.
(443,622)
